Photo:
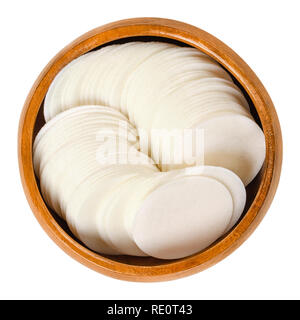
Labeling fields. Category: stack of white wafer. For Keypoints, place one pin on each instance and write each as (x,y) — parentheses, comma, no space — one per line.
(95,166)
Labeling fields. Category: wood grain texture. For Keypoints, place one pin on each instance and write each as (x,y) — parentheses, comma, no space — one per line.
(150,269)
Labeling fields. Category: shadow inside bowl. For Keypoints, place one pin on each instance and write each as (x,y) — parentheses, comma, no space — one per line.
(251,189)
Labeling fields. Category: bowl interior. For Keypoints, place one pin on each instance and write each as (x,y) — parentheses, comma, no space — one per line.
(251,189)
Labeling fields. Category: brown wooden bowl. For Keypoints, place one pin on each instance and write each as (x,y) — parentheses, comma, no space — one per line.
(259,193)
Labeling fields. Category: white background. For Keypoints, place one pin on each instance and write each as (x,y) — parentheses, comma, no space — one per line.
(265,34)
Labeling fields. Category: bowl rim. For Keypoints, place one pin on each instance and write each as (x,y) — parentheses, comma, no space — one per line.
(172,29)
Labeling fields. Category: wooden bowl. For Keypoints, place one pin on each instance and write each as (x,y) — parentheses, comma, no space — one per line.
(260,192)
